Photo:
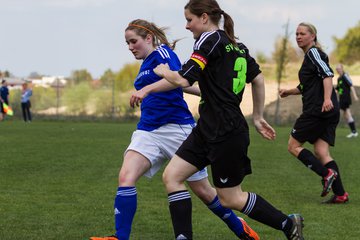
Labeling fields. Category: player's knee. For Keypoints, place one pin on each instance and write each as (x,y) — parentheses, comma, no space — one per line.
(125,178)
(292,149)
(166,178)
(172,182)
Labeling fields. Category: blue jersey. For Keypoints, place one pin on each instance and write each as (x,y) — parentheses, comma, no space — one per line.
(161,108)
(4,93)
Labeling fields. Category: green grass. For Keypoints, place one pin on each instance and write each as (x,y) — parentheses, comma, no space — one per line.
(58,180)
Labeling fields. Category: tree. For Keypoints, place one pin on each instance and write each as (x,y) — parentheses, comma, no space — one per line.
(34,75)
(347,49)
(107,79)
(261,58)
(76,99)
(281,58)
(126,77)
(6,74)
(79,76)
(292,53)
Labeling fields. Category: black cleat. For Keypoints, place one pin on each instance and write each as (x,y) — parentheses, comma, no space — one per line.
(295,233)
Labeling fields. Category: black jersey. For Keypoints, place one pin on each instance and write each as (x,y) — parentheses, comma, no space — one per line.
(222,71)
(343,87)
(314,69)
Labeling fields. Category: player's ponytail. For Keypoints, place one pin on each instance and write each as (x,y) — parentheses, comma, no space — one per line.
(229,27)
(212,8)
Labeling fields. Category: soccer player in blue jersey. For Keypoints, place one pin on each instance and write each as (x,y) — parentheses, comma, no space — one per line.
(320,117)
(345,89)
(164,124)
(221,136)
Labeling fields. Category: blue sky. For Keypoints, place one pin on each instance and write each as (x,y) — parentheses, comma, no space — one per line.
(55,37)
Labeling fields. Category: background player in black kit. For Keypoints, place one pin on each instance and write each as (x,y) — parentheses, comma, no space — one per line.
(320,116)
(221,137)
(345,88)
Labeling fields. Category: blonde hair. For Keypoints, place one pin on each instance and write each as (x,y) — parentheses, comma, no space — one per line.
(143,28)
(312,29)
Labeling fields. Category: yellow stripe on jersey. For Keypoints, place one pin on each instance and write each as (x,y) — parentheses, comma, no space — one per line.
(201,64)
(200,60)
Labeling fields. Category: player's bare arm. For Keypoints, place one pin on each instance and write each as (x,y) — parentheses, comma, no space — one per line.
(173,77)
(258,95)
(353,91)
(287,92)
(159,86)
(193,90)
(328,87)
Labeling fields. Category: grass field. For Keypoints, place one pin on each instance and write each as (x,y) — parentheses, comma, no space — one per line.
(58,180)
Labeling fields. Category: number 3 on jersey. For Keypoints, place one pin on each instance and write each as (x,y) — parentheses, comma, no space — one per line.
(241,68)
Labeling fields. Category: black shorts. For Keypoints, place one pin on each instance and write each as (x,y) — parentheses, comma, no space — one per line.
(228,158)
(344,105)
(2,108)
(309,128)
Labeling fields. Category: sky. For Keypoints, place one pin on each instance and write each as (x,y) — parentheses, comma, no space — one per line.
(56,37)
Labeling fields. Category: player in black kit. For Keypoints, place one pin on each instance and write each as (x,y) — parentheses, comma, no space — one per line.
(345,88)
(221,137)
(320,116)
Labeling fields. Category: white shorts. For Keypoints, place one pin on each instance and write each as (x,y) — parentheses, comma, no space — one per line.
(160,145)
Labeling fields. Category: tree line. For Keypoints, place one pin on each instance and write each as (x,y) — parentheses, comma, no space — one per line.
(108,96)
(347,51)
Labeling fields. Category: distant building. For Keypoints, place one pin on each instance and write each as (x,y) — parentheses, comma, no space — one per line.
(46,81)
(13,81)
(50,81)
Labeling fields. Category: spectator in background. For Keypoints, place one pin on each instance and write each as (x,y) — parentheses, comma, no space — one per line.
(25,102)
(344,88)
(4,98)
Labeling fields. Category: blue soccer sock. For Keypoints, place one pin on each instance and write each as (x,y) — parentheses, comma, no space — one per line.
(124,210)
(227,215)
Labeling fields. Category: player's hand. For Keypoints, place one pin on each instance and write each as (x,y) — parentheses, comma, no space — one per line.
(265,129)
(283,93)
(137,97)
(160,69)
(327,105)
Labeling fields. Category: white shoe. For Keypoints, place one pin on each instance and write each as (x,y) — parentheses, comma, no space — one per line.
(351,135)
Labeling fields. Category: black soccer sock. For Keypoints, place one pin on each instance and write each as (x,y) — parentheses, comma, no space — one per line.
(180,210)
(352,126)
(337,186)
(260,210)
(310,161)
